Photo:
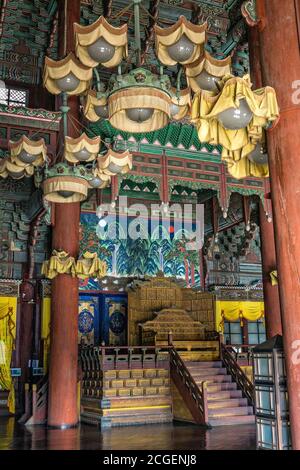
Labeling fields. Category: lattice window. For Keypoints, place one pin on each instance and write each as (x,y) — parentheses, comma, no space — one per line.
(13,97)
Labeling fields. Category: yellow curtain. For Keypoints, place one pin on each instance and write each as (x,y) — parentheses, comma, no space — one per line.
(45,333)
(8,314)
(237,310)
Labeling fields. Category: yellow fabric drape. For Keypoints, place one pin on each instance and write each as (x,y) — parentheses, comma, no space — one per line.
(237,144)
(237,310)
(8,318)
(90,266)
(59,263)
(274,278)
(45,330)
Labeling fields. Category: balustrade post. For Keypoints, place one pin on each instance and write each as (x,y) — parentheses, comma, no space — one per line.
(204,399)
(170,338)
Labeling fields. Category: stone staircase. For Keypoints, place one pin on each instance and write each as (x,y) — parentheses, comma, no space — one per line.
(127,397)
(226,404)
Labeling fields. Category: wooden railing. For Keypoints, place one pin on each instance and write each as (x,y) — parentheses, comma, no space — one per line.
(194,396)
(237,374)
(36,401)
(97,358)
(241,352)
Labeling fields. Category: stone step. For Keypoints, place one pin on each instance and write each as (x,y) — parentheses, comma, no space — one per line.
(232,420)
(199,372)
(223,395)
(205,364)
(220,386)
(211,379)
(234,411)
(229,403)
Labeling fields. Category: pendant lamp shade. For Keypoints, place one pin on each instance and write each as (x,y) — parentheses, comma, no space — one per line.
(67,75)
(182,43)
(101,43)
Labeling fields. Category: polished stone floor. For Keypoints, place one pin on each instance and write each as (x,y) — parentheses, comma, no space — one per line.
(153,437)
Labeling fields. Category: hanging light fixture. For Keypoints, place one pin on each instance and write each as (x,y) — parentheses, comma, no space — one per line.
(28,152)
(180,103)
(236,117)
(259,155)
(114,163)
(82,149)
(65,184)
(66,76)
(95,107)
(139,101)
(180,43)
(99,179)
(101,43)
(206,73)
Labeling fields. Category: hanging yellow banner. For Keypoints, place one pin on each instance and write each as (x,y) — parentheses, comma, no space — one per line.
(8,321)
(237,310)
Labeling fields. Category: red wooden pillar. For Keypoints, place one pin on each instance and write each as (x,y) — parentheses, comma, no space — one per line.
(281,69)
(271,293)
(62,405)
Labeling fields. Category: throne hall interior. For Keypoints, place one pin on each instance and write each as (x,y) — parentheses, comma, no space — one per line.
(128,131)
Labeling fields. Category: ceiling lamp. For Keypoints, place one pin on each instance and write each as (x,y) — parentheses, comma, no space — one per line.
(206,73)
(99,179)
(65,184)
(180,103)
(259,155)
(66,76)
(18,172)
(28,152)
(114,163)
(101,43)
(95,108)
(236,119)
(180,43)
(82,149)
(139,101)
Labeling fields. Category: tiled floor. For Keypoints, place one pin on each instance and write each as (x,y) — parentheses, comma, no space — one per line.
(152,437)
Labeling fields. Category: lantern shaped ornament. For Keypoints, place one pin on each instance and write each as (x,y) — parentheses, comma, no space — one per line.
(95,108)
(26,152)
(114,163)
(65,184)
(99,179)
(180,104)
(18,172)
(101,43)
(181,43)
(81,149)
(66,76)
(139,101)
(207,72)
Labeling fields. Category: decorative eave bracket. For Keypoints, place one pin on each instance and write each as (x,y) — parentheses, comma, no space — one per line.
(254,13)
